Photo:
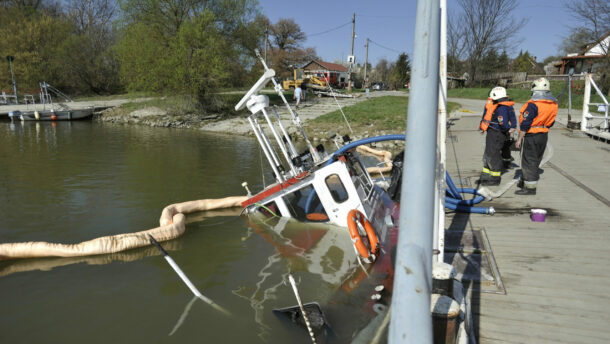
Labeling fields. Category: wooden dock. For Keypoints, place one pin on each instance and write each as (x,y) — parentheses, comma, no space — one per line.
(555,273)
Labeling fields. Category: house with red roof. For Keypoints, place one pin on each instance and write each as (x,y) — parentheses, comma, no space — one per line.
(336,74)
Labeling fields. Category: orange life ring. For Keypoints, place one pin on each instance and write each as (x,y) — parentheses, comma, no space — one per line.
(353,217)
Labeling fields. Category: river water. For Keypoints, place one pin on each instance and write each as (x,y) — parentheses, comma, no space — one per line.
(68,182)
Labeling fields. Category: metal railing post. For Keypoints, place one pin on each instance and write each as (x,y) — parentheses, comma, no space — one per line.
(411,320)
(585,102)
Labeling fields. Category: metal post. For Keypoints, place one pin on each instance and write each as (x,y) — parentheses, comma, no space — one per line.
(349,75)
(278,176)
(585,102)
(439,233)
(570,97)
(366,62)
(278,139)
(10,65)
(411,318)
(293,151)
(295,117)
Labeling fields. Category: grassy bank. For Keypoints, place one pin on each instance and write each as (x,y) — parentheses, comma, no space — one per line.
(382,114)
(522,95)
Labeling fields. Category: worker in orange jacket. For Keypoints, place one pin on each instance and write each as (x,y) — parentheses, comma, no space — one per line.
(499,121)
(537,116)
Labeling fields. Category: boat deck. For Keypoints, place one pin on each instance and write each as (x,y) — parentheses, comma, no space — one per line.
(555,273)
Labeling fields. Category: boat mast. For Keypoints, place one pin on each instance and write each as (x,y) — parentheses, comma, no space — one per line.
(411,320)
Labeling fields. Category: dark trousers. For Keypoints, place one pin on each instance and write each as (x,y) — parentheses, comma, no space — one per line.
(506,155)
(495,142)
(533,149)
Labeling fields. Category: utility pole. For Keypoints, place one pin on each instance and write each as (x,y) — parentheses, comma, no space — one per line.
(10,64)
(351,63)
(366,62)
(266,39)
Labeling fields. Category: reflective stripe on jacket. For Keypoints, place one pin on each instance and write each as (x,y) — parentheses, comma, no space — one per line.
(490,116)
(538,117)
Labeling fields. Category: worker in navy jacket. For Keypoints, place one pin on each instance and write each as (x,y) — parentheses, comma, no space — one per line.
(499,122)
(535,119)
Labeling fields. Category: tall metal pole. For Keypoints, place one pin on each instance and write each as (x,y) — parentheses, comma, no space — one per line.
(411,318)
(349,75)
(439,212)
(10,64)
(366,62)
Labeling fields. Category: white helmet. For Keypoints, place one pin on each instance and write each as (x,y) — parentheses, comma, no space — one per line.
(497,93)
(541,84)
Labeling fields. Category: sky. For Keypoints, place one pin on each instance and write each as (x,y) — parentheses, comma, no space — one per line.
(390,25)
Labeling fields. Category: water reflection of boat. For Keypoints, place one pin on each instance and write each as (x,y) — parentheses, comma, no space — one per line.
(326,194)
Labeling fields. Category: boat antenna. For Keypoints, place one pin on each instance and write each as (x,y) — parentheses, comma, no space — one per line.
(325,78)
(295,117)
(184,278)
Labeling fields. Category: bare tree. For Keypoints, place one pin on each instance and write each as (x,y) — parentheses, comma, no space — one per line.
(595,16)
(488,24)
(456,44)
(287,34)
(91,14)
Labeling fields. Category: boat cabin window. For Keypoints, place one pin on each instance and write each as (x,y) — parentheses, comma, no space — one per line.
(304,205)
(337,190)
(359,171)
(270,210)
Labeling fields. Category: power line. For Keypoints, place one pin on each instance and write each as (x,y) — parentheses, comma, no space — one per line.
(384,47)
(327,31)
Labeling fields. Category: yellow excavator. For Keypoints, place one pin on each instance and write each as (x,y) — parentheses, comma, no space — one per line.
(302,79)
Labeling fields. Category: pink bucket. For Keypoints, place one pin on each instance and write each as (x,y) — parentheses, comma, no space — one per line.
(538,215)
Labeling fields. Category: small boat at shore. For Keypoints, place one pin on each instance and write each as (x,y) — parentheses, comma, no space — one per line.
(64,113)
(52,115)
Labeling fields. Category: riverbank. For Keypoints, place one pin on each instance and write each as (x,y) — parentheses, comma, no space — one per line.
(158,115)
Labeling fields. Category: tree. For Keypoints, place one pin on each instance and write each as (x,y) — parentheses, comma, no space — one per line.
(488,25)
(401,72)
(287,51)
(382,72)
(88,56)
(287,35)
(456,45)
(524,62)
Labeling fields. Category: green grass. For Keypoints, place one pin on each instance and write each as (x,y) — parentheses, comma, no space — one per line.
(521,95)
(386,113)
(132,95)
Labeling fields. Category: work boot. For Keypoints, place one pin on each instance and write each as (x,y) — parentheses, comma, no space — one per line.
(520,184)
(507,165)
(525,191)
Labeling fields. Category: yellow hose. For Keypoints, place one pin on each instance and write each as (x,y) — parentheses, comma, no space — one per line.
(172,226)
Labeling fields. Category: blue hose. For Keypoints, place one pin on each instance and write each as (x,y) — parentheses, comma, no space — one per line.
(464,205)
(452,190)
(349,146)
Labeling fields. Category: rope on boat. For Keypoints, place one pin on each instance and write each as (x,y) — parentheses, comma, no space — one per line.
(172,226)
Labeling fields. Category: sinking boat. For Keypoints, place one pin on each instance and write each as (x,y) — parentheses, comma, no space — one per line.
(335,189)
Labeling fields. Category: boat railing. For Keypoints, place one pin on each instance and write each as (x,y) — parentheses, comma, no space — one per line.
(587,117)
